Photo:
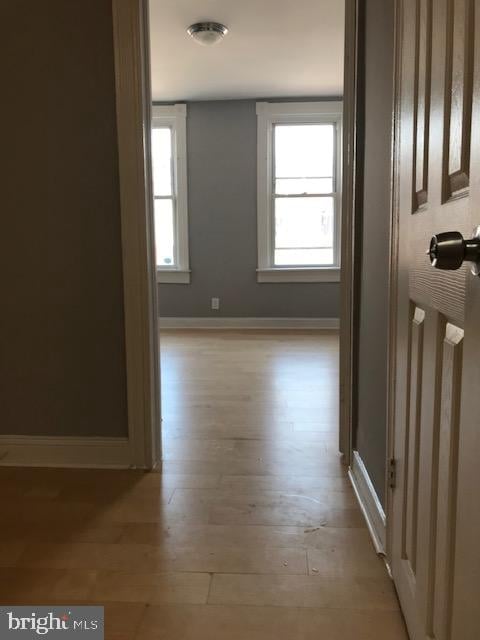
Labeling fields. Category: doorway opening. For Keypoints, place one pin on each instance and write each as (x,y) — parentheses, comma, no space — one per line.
(247,174)
(247,199)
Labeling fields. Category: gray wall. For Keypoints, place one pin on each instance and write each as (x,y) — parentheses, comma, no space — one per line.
(222,194)
(373,339)
(62,359)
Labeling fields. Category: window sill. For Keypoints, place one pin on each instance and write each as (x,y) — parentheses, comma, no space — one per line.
(173,276)
(299,274)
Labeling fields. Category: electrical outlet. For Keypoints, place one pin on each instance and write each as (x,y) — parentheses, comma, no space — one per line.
(215,304)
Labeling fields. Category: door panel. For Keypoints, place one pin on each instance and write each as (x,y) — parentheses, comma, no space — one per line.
(445,469)
(412,440)
(458,96)
(421,101)
(438,189)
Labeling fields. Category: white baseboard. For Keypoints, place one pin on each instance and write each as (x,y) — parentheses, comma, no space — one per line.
(248,323)
(49,451)
(369,503)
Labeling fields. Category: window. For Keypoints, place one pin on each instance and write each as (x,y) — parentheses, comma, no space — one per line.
(298,191)
(169,165)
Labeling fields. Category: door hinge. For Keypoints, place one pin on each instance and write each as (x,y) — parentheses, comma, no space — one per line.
(392,473)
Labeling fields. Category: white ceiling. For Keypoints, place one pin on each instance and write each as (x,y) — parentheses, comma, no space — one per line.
(274,48)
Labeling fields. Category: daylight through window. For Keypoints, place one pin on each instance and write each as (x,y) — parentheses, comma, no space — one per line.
(303,193)
(169,168)
(298,184)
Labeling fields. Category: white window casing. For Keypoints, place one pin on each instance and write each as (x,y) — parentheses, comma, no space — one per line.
(174,116)
(268,115)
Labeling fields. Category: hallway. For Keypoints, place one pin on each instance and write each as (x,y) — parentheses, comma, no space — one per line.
(251,531)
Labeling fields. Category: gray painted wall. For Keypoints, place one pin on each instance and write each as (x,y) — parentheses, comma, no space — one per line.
(373,332)
(222,194)
(62,362)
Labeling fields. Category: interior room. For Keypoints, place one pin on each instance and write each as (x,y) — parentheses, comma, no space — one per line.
(247,196)
(247,525)
(247,185)
(239,336)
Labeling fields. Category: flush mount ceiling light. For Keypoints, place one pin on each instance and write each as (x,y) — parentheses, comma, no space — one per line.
(207,33)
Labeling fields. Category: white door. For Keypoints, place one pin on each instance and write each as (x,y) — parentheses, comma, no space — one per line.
(436,506)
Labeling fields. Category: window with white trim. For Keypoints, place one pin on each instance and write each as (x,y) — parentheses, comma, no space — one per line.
(299,199)
(169,164)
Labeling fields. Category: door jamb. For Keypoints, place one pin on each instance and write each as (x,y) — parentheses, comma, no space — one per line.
(393,268)
(133,106)
(351,243)
(133,100)
(349,287)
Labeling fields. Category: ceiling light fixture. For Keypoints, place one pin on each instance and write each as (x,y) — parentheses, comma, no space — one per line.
(207,33)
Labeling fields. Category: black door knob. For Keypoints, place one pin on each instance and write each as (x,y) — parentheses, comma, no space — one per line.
(450,250)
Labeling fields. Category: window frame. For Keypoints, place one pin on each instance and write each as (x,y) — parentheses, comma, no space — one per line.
(175,117)
(270,114)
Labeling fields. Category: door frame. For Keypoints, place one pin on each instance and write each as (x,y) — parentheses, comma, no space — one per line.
(393,271)
(131,45)
(351,243)
(133,105)
(350,254)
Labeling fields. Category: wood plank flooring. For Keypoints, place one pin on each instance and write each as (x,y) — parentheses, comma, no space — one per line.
(250,531)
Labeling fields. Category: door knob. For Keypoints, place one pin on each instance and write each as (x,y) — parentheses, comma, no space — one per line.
(450,250)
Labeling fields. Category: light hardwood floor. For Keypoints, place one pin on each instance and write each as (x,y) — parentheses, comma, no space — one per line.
(250,532)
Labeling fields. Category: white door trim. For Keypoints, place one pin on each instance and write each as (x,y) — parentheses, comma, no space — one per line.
(369,502)
(393,275)
(349,270)
(133,103)
(348,279)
